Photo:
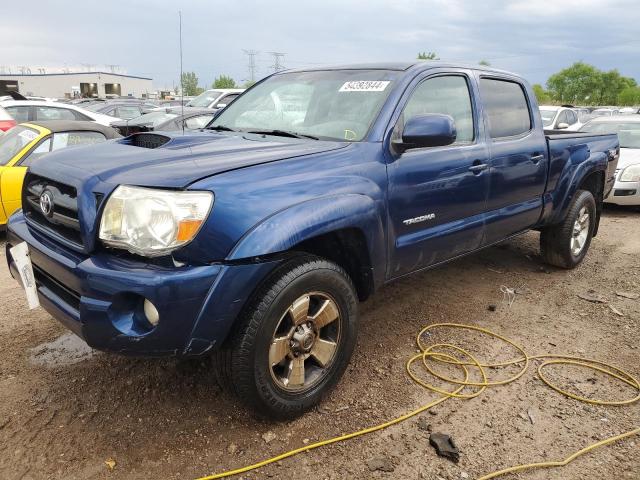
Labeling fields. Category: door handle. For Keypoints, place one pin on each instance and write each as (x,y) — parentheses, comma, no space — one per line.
(537,158)
(477,168)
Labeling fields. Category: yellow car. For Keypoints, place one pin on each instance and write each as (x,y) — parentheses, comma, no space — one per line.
(25,142)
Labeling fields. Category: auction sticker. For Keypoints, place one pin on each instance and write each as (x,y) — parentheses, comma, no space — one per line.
(364,86)
(28,135)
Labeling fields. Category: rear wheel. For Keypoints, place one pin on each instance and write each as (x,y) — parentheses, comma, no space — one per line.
(295,339)
(565,245)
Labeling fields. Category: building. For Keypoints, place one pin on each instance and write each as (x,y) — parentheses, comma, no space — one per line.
(78,84)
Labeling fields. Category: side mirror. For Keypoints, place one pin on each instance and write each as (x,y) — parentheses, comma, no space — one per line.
(562,126)
(430,130)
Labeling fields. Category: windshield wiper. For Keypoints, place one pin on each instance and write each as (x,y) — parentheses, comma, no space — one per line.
(283,133)
(221,128)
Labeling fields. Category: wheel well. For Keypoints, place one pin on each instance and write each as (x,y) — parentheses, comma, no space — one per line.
(347,248)
(594,183)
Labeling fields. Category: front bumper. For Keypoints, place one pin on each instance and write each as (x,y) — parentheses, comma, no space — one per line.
(100,297)
(624,193)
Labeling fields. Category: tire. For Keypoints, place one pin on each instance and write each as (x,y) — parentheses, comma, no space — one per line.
(565,245)
(274,325)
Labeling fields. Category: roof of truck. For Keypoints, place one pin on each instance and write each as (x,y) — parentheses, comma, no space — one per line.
(400,66)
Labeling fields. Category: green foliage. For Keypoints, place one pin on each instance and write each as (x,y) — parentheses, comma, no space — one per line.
(248,84)
(190,84)
(541,94)
(223,81)
(428,56)
(584,84)
(484,63)
(629,97)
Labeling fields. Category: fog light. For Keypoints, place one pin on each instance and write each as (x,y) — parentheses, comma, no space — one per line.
(151,312)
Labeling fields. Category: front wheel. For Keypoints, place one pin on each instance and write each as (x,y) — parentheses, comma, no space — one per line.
(565,245)
(295,339)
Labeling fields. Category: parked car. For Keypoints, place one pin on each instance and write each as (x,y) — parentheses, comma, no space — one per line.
(629,110)
(559,118)
(604,112)
(255,239)
(169,119)
(29,141)
(217,98)
(36,111)
(626,190)
(6,121)
(125,110)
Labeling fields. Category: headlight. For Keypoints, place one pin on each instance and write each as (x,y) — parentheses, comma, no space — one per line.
(631,174)
(152,222)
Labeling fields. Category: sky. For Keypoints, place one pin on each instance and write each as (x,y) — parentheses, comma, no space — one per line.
(532,38)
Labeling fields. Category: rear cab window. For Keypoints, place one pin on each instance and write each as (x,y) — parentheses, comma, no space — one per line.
(506,107)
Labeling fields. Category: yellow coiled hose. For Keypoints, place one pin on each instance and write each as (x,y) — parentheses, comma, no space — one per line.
(429,353)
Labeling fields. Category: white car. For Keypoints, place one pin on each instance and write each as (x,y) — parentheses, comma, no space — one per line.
(605,112)
(629,110)
(216,98)
(626,190)
(34,110)
(559,118)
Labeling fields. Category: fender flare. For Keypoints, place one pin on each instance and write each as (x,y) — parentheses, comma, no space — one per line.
(287,228)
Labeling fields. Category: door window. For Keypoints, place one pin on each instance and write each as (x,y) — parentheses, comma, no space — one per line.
(54,113)
(19,114)
(224,101)
(447,95)
(563,118)
(506,106)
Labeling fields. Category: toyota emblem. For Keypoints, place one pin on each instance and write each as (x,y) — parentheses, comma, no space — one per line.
(46,203)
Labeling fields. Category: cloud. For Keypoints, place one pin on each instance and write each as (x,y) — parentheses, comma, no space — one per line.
(532,38)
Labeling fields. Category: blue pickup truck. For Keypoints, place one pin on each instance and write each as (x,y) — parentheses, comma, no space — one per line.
(255,239)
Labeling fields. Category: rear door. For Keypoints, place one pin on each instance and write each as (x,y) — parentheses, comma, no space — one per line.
(518,158)
(437,195)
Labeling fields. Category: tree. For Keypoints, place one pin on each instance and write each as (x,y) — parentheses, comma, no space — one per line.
(541,94)
(224,81)
(249,84)
(575,84)
(190,84)
(630,96)
(484,63)
(428,56)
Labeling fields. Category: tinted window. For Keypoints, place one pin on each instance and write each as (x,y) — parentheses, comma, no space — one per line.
(573,117)
(53,113)
(200,121)
(506,107)
(448,95)
(563,118)
(19,114)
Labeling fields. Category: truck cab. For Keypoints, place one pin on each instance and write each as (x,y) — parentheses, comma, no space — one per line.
(255,239)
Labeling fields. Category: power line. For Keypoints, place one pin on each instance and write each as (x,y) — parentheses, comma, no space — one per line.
(252,63)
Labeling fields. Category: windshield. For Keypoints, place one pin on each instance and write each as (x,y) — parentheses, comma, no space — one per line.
(204,99)
(339,105)
(94,107)
(628,133)
(547,117)
(15,140)
(153,118)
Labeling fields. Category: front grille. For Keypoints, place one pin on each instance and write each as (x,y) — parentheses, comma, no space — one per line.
(61,217)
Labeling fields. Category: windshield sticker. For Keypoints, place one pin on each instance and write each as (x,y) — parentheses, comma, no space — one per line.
(364,86)
(28,135)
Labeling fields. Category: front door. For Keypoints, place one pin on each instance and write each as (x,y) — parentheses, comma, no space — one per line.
(437,195)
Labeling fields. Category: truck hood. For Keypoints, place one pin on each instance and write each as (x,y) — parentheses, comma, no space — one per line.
(182,160)
(628,156)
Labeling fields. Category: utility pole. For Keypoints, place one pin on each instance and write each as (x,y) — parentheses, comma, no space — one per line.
(252,63)
(278,57)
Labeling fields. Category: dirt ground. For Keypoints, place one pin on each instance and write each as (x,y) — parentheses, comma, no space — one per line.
(65,410)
